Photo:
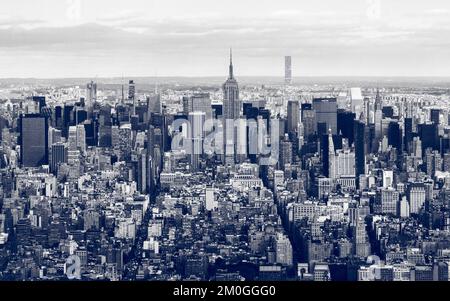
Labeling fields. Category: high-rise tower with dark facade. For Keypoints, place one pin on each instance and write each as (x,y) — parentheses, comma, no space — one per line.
(326,115)
(33,140)
(360,154)
(293,116)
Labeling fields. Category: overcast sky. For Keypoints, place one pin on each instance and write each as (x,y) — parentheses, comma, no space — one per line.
(88,38)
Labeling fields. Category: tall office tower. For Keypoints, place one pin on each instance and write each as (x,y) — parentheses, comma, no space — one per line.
(331,157)
(389,200)
(408,134)
(200,102)
(433,162)
(416,147)
(186,104)
(197,135)
(368,111)
(345,121)
(388,178)
(231,112)
(91,94)
(357,102)
(446,162)
(287,70)
(435,116)
(34,140)
(445,144)
(395,136)
(59,155)
(81,115)
(308,121)
(283,250)
(429,136)
(132,96)
(54,136)
(58,117)
(293,116)
(73,154)
(252,133)
(40,102)
(325,150)
(378,115)
(344,164)
(241,141)
(91,129)
(72,139)
(81,138)
(151,140)
(326,114)
(68,119)
(105,123)
(285,152)
(154,105)
(360,154)
(416,197)
(142,171)
(361,244)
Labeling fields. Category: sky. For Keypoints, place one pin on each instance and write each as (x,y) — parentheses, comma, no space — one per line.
(110,38)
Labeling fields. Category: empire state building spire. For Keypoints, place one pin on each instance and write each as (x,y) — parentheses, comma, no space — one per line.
(231,76)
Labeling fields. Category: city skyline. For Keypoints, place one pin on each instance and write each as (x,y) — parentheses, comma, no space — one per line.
(203,173)
(147,38)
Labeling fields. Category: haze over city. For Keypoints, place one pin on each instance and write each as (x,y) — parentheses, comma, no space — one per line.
(78,38)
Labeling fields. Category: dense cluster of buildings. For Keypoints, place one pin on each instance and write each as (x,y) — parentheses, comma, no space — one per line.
(341,184)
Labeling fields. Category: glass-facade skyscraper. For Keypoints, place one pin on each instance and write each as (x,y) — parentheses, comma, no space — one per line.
(34,140)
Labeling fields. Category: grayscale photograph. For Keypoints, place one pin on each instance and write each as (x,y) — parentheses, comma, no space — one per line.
(224,147)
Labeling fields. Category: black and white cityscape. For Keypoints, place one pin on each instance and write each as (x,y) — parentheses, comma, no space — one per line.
(227,173)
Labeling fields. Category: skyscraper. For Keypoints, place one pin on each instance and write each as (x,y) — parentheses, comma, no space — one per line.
(435,116)
(293,116)
(429,135)
(231,112)
(132,96)
(408,134)
(34,140)
(357,102)
(360,154)
(81,138)
(326,113)
(91,93)
(59,155)
(345,121)
(200,102)
(285,152)
(395,136)
(288,70)
(40,102)
(389,201)
(331,157)
(197,136)
(361,245)
(416,197)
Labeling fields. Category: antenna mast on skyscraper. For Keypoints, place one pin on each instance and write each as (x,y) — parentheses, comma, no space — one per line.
(231,76)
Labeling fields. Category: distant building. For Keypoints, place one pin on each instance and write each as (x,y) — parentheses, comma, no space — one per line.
(287,70)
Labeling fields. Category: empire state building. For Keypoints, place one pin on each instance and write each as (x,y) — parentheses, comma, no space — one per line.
(231,112)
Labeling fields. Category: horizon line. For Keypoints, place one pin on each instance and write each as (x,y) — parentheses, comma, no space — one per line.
(220,76)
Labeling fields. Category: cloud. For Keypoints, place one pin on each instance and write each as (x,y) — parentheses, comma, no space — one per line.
(177,42)
(7,21)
